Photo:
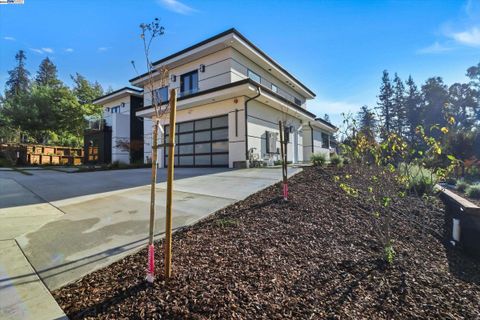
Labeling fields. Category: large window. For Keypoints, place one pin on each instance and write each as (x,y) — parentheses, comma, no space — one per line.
(161,94)
(325,140)
(189,83)
(201,143)
(252,75)
(297,101)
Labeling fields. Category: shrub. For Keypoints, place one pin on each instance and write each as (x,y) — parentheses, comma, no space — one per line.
(336,161)
(473,191)
(462,185)
(346,161)
(420,180)
(318,159)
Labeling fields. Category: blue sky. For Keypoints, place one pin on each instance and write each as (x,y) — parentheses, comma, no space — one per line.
(337,48)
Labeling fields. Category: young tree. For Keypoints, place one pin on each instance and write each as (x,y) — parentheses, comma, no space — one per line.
(18,82)
(367,123)
(326,117)
(399,120)
(385,105)
(412,108)
(47,74)
(149,32)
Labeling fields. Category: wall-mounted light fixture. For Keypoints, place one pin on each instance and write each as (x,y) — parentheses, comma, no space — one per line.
(173,78)
(202,68)
(108,109)
(122,104)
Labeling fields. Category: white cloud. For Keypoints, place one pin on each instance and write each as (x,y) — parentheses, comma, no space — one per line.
(176,6)
(434,48)
(9,38)
(69,50)
(42,50)
(37,50)
(102,49)
(469,37)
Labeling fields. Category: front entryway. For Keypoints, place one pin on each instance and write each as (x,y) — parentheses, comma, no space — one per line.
(200,143)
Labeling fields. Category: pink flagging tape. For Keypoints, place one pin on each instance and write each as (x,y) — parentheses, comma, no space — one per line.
(285,191)
(151,259)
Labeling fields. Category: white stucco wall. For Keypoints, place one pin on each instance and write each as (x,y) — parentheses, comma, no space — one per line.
(262,118)
(317,143)
(240,64)
(217,73)
(120,133)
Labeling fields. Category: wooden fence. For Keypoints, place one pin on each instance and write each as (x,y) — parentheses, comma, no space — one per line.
(44,155)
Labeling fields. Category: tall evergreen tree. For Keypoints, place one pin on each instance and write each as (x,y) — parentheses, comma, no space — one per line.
(474,74)
(463,103)
(412,108)
(385,105)
(435,103)
(399,109)
(18,82)
(47,74)
(367,122)
(326,117)
(86,92)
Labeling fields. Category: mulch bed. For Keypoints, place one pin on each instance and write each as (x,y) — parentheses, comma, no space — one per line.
(316,256)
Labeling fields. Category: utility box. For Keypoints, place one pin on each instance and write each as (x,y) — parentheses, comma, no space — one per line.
(468,215)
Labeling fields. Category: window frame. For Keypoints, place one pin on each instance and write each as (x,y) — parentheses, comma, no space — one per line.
(191,90)
(249,71)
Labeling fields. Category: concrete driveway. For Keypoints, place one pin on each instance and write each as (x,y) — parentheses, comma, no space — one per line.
(70,224)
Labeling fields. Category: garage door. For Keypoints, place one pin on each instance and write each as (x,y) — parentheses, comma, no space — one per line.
(200,143)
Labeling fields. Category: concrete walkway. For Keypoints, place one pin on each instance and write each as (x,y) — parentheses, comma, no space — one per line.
(78,234)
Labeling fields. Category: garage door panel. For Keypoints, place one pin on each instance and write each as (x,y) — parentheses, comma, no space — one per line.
(201,143)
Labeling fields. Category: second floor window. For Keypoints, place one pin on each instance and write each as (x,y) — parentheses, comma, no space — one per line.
(274,88)
(297,101)
(161,94)
(252,75)
(189,83)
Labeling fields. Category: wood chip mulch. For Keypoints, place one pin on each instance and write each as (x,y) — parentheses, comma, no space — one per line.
(316,256)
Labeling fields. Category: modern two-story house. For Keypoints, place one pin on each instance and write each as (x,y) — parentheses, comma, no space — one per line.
(231,97)
(119,137)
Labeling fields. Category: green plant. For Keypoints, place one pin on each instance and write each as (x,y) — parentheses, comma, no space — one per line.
(336,161)
(462,185)
(318,159)
(346,160)
(419,180)
(226,222)
(389,253)
(473,191)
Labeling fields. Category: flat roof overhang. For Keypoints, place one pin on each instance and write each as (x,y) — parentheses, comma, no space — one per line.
(230,38)
(118,94)
(247,88)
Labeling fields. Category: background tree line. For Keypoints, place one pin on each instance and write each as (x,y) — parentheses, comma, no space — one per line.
(42,109)
(402,107)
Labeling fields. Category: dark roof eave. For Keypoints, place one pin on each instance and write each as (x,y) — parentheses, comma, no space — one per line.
(117,91)
(234,31)
(326,123)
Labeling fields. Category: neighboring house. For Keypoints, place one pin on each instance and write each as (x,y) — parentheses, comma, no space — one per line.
(121,126)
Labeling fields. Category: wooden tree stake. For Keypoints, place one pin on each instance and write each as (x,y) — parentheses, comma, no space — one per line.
(168,222)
